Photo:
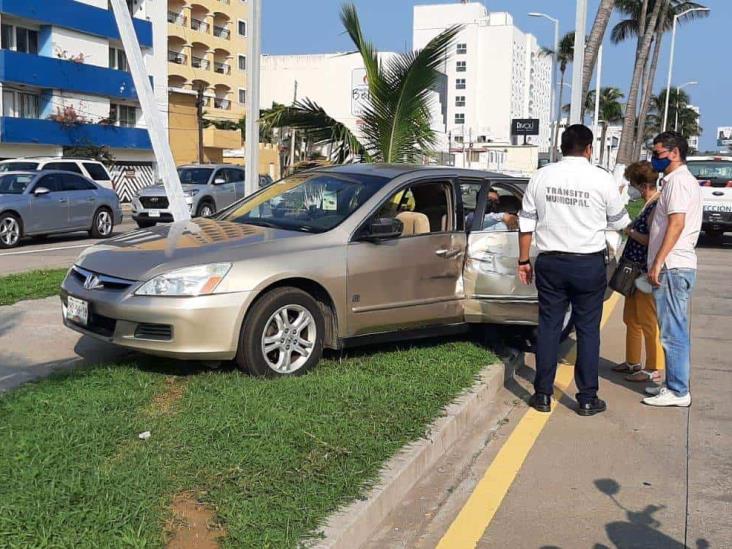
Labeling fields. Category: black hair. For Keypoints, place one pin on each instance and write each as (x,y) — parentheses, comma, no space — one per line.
(575,139)
(673,140)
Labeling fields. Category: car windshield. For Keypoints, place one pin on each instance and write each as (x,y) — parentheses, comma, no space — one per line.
(14,183)
(307,202)
(194,176)
(711,169)
(18,166)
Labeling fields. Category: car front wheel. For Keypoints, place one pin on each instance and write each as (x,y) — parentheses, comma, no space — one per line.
(282,335)
(205,210)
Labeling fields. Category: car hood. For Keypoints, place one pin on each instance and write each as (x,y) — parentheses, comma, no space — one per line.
(159,190)
(143,254)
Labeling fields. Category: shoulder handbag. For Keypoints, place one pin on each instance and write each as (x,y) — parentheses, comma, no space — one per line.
(623,279)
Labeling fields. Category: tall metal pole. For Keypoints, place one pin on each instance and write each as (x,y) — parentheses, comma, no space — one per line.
(671,60)
(153,119)
(251,181)
(670,70)
(293,133)
(575,113)
(598,88)
(555,93)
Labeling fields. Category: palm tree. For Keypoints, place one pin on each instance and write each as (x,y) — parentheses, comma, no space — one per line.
(678,110)
(627,139)
(395,123)
(564,58)
(631,27)
(611,111)
(594,41)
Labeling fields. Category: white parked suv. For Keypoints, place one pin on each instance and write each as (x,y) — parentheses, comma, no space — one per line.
(93,169)
(715,176)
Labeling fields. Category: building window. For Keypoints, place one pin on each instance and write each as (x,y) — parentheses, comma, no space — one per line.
(118,60)
(124,116)
(19,39)
(462,66)
(459,118)
(460,84)
(459,100)
(242,96)
(242,28)
(462,49)
(458,139)
(242,62)
(18,104)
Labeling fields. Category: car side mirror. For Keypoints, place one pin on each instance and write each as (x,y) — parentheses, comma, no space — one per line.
(383,228)
(41,191)
(219,181)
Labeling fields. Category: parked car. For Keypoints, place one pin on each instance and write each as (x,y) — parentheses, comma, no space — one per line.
(715,176)
(49,202)
(208,188)
(327,258)
(93,169)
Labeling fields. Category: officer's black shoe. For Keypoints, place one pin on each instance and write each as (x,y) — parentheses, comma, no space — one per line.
(592,407)
(541,402)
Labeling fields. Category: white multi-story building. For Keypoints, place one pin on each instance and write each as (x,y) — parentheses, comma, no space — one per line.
(694,139)
(496,73)
(335,81)
(65,82)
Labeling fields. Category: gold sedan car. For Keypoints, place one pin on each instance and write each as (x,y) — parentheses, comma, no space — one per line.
(323,259)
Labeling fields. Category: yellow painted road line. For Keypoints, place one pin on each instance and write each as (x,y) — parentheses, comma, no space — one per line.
(478,512)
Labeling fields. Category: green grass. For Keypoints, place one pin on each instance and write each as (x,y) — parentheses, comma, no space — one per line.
(272,458)
(634,207)
(30,285)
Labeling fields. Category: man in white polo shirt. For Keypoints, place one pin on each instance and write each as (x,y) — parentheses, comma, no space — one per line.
(672,263)
(566,209)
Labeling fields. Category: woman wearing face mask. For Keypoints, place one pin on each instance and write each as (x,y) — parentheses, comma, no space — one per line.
(639,313)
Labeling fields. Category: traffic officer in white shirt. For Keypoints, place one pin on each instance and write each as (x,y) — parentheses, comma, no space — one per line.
(566,209)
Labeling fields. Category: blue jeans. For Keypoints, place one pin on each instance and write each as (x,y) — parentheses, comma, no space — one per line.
(672,308)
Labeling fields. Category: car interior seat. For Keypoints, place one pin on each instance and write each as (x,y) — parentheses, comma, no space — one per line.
(414,223)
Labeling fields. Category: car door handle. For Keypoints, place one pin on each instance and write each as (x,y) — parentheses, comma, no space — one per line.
(90,200)
(448,254)
(62,201)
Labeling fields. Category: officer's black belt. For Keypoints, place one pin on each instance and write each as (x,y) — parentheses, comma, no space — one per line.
(573,254)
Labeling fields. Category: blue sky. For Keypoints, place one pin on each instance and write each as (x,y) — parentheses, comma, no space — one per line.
(298,26)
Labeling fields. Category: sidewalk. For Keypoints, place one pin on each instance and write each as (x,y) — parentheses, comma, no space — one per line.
(618,479)
(34,342)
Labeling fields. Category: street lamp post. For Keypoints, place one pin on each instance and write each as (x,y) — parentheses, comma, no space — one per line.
(554,108)
(678,89)
(671,60)
(575,113)
(251,168)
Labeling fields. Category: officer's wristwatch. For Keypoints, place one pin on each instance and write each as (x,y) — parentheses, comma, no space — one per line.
(524,262)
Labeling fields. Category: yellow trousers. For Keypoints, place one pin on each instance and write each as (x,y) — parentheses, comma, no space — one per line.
(640,319)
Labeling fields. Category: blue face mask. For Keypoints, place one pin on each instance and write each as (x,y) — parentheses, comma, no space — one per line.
(660,164)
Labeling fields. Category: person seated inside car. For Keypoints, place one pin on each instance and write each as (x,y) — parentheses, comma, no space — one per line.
(500,213)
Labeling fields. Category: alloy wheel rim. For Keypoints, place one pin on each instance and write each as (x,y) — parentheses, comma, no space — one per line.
(288,339)
(206,211)
(9,231)
(104,223)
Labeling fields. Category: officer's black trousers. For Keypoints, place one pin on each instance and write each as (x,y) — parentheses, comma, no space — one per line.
(580,281)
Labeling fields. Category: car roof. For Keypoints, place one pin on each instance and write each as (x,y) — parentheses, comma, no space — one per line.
(718,158)
(21,172)
(210,166)
(47,159)
(391,171)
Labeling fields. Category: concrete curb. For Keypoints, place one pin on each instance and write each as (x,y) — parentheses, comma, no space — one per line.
(352,526)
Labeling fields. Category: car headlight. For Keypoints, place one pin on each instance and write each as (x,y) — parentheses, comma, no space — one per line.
(191,193)
(189,281)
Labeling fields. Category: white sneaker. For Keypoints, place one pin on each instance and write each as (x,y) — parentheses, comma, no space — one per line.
(653,390)
(667,398)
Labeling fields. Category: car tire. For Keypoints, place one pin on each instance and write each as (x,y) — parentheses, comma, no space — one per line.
(265,328)
(11,230)
(102,224)
(144,224)
(205,209)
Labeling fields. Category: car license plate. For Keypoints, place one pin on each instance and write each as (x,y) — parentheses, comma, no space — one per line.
(77,310)
(718,208)
(154,213)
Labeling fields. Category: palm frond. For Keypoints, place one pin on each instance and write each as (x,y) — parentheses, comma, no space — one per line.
(308,116)
(624,30)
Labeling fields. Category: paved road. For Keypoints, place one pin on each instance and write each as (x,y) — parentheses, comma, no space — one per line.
(634,477)
(52,252)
